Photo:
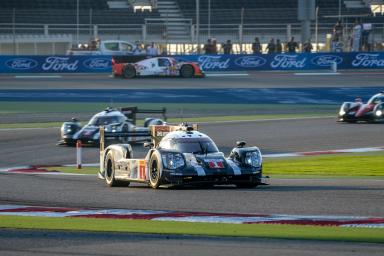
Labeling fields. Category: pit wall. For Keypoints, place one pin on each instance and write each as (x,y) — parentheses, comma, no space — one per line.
(266,62)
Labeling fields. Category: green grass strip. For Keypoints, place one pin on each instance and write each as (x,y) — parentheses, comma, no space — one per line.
(345,165)
(352,165)
(77,107)
(204,229)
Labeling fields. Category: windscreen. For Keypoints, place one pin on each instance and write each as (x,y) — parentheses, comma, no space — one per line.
(105,120)
(195,146)
(377,99)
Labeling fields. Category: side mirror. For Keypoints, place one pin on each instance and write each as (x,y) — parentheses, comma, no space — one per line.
(148,145)
(240,144)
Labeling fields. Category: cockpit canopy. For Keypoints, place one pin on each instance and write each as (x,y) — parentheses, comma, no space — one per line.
(98,120)
(196,143)
(377,99)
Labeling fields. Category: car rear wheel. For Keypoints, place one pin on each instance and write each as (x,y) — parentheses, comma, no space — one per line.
(129,71)
(155,171)
(187,71)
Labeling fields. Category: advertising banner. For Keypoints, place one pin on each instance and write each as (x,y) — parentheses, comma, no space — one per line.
(55,64)
(241,62)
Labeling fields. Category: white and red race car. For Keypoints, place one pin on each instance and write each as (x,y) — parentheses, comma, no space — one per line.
(156,66)
(372,111)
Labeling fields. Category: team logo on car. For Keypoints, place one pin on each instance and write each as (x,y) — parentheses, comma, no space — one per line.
(250,61)
(215,164)
(97,63)
(21,63)
(326,60)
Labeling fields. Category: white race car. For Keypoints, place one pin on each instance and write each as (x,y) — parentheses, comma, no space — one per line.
(133,66)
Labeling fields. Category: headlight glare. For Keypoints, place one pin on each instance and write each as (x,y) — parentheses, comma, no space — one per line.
(379,113)
(253,158)
(173,160)
(342,112)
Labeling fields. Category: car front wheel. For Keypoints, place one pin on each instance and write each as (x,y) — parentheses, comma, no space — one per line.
(155,171)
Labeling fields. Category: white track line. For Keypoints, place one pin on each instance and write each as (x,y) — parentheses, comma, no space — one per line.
(316,74)
(37,77)
(225,74)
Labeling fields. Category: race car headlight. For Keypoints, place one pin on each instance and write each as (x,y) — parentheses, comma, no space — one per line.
(253,158)
(173,160)
(379,113)
(66,128)
(342,112)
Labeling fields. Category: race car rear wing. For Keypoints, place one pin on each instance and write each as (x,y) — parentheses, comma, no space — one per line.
(131,112)
(155,132)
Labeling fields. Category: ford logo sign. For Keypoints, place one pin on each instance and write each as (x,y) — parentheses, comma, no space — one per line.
(21,63)
(326,60)
(97,63)
(250,61)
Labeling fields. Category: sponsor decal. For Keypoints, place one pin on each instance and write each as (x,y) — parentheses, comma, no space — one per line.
(55,63)
(326,60)
(250,61)
(21,63)
(97,63)
(213,62)
(285,61)
(368,60)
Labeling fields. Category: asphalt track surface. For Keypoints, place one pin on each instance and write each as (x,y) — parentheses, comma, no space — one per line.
(325,196)
(96,244)
(220,80)
(349,197)
(206,95)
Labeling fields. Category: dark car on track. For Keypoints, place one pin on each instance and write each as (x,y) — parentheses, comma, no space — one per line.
(113,120)
(372,111)
(181,155)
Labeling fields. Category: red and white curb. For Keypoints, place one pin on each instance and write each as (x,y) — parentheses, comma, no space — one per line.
(200,217)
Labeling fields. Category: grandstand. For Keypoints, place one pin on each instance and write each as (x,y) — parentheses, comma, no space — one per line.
(173,21)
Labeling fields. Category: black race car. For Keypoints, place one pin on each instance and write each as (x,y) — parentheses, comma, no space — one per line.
(181,155)
(113,120)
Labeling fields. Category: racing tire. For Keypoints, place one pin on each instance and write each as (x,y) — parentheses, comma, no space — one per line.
(129,71)
(247,185)
(155,171)
(109,172)
(124,139)
(187,71)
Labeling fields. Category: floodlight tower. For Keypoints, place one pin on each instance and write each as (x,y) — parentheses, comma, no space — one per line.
(306,10)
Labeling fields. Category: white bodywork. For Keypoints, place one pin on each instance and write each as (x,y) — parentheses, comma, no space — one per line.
(159,66)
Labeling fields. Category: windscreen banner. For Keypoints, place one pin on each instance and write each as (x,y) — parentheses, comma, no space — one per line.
(241,62)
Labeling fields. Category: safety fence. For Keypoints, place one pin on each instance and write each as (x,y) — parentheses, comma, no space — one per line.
(241,62)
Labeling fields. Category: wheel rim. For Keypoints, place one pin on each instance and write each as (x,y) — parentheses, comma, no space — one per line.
(129,72)
(154,171)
